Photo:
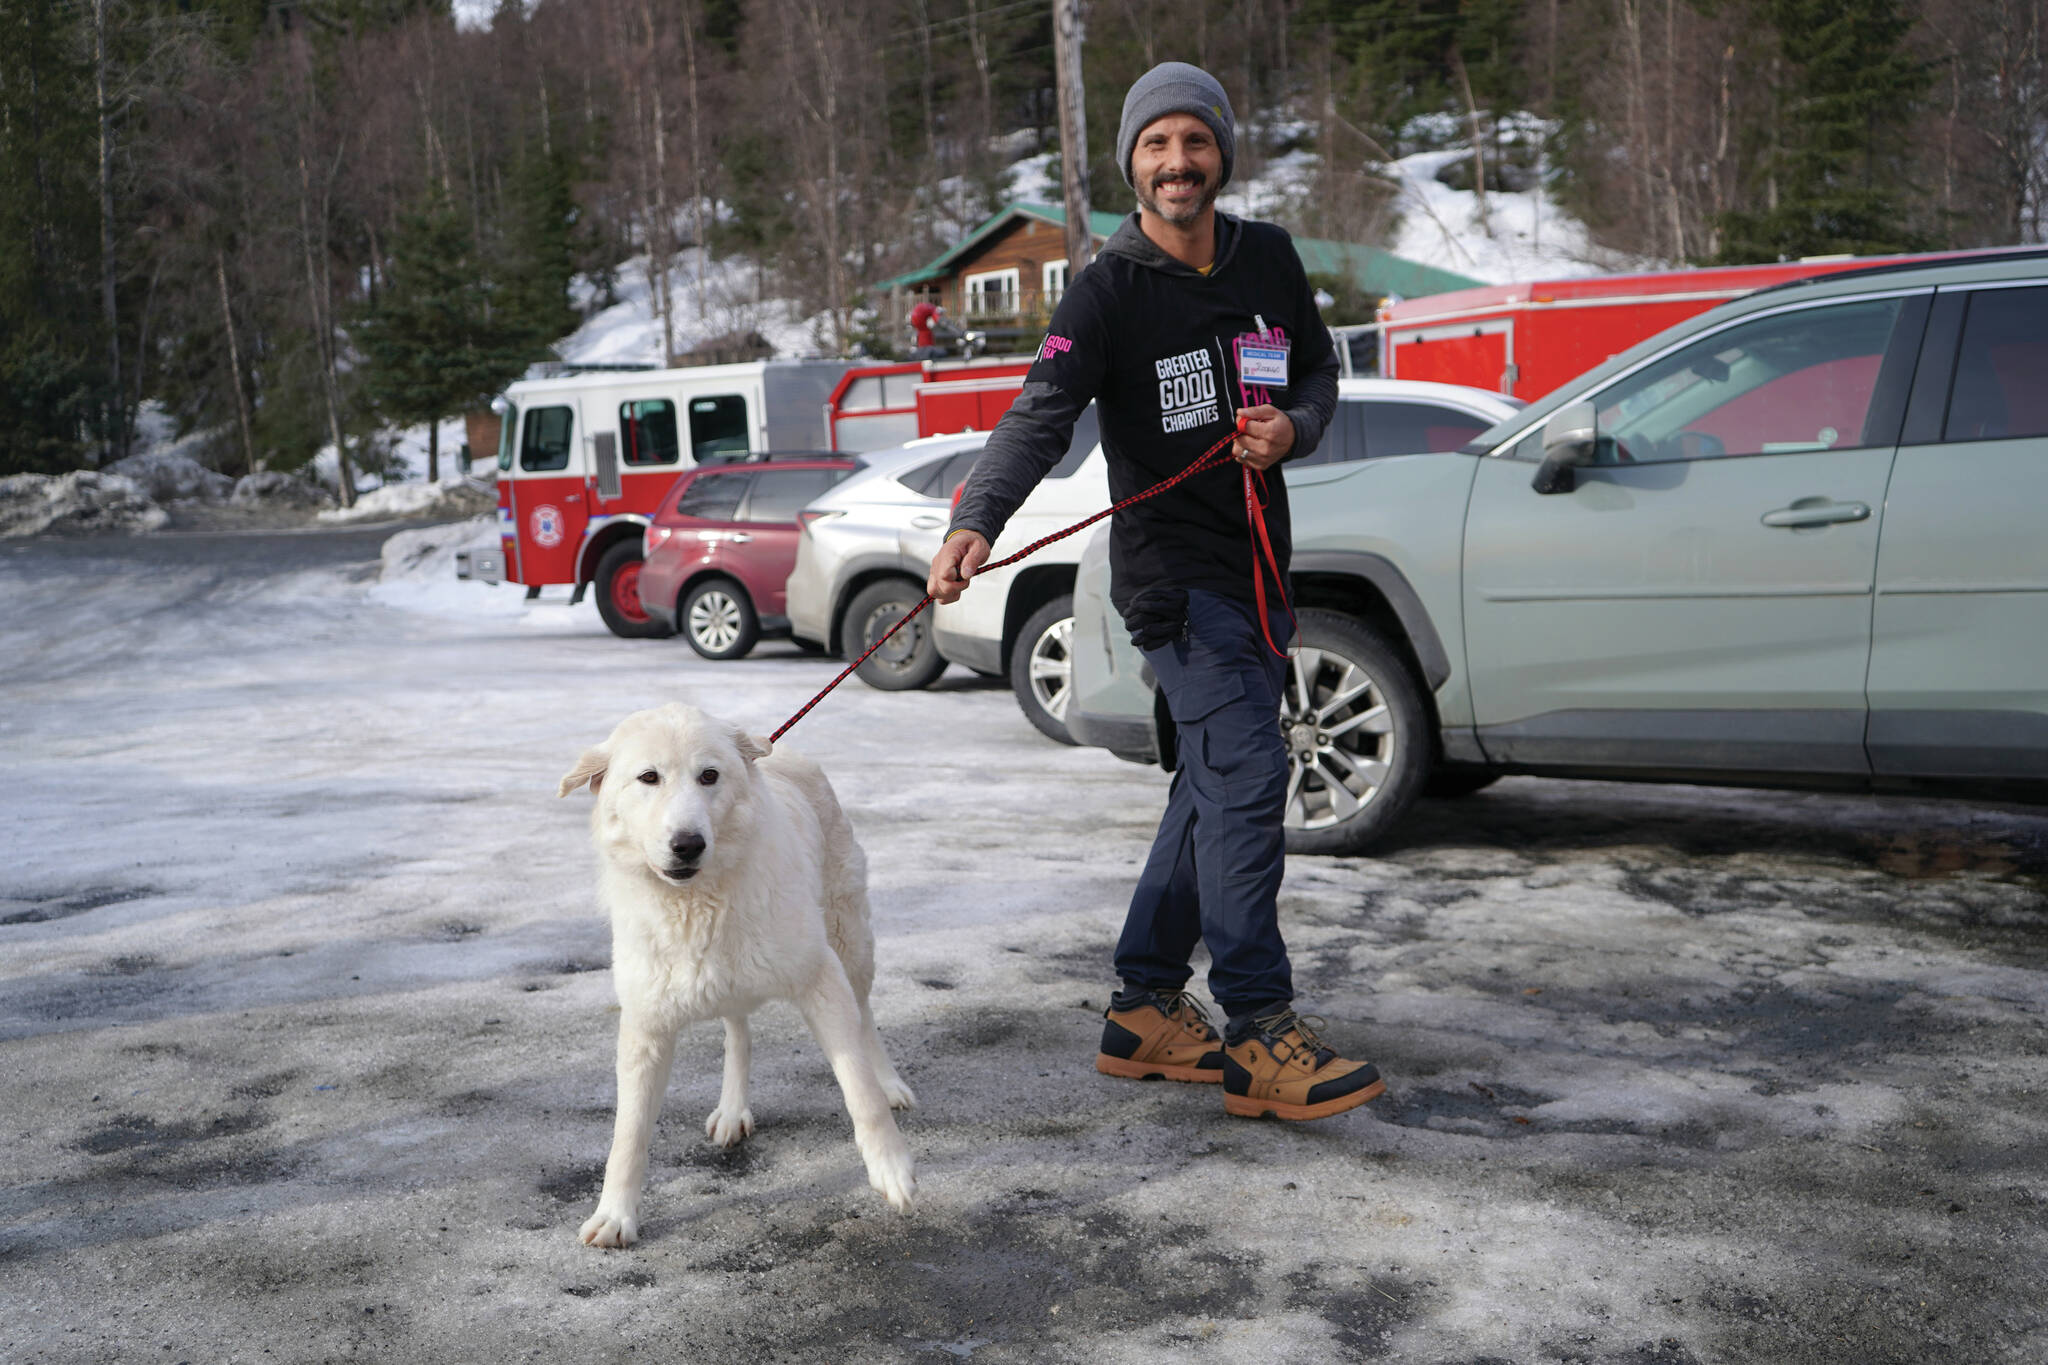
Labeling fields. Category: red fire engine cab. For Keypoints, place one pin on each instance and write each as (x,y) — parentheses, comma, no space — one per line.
(584,456)
(1526,339)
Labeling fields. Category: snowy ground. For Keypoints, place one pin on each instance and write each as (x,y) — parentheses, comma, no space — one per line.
(309,1047)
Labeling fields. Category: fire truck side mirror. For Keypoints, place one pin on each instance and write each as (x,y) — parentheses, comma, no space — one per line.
(1569,437)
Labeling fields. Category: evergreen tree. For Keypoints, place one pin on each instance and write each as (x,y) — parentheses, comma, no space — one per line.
(431,344)
(1840,137)
(52,350)
(538,255)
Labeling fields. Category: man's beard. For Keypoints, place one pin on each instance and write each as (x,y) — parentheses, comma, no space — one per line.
(1183,215)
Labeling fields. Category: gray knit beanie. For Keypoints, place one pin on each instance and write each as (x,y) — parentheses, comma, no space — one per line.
(1176,88)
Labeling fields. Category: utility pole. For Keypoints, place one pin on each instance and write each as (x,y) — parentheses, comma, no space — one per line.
(1066,46)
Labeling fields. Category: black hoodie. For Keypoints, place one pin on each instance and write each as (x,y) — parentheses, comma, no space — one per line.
(1153,341)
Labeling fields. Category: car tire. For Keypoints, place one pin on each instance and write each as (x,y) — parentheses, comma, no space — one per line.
(909,661)
(718,619)
(617,585)
(1359,751)
(1042,667)
(1448,784)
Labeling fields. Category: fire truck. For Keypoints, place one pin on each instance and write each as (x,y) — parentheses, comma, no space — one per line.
(585,455)
(1526,339)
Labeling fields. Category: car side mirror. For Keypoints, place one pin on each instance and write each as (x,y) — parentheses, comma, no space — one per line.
(1569,437)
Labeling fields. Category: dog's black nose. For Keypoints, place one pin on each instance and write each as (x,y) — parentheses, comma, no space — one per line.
(687,847)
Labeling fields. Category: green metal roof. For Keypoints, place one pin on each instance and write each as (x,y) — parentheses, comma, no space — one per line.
(1376,271)
(1373,270)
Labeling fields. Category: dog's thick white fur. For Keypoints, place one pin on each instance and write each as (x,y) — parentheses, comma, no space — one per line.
(731,877)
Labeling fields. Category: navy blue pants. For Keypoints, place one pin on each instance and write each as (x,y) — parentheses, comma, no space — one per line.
(1215,867)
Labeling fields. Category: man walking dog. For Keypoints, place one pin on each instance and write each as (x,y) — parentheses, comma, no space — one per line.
(1185,325)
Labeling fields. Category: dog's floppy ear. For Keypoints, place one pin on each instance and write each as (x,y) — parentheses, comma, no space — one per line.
(589,768)
(750,747)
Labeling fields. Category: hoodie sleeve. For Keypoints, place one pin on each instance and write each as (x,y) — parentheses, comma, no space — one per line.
(1035,432)
(1315,369)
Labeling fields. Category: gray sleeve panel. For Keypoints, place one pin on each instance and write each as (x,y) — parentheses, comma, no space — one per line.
(1316,405)
(1029,440)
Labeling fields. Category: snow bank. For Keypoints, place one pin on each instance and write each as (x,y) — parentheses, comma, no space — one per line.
(395,500)
(82,501)
(417,572)
(273,488)
(168,475)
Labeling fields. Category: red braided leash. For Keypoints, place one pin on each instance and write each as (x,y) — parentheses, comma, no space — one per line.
(1208,460)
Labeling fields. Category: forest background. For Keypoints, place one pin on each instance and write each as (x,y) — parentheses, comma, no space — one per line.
(295,223)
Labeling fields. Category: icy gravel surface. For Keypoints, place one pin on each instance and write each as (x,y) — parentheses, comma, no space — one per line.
(308,1043)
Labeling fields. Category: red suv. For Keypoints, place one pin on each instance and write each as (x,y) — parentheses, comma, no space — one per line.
(720,550)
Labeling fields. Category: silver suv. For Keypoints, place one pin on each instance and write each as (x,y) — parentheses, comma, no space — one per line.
(1792,542)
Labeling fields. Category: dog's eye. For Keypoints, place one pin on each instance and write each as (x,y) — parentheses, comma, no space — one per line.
(708,778)
(651,777)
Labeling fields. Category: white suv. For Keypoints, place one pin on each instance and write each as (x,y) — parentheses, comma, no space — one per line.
(861,561)
(1018,621)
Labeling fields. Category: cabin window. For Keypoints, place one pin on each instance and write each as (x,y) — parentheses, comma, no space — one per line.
(718,427)
(1053,279)
(647,432)
(991,291)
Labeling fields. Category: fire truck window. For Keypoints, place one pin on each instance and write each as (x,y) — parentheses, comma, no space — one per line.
(779,492)
(1417,428)
(1087,431)
(508,435)
(548,432)
(714,497)
(718,427)
(1998,389)
(1793,382)
(647,432)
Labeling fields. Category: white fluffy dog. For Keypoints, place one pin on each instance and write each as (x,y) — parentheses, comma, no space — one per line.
(731,877)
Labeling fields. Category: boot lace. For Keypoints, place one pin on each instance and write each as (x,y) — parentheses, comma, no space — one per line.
(1283,1022)
(1184,1007)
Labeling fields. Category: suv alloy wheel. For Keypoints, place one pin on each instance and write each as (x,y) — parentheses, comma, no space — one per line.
(1357,736)
(1042,667)
(718,620)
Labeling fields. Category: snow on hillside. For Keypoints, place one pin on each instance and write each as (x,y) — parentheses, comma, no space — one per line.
(629,330)
(1523,236)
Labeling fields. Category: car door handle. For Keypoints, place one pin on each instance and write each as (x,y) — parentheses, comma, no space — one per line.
(927,523)
(739,537)
(1817,512)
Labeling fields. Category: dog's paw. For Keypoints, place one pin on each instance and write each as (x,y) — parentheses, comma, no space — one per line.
(728,1127)
(609,1228)
(894,1175)
(900,1096)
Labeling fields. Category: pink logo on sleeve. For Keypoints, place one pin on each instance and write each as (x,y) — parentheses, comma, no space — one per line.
(1054,345)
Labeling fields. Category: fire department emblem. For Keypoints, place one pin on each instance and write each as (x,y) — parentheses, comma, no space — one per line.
(547,527)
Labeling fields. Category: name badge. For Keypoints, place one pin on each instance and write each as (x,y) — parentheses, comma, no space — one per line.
(1264,364)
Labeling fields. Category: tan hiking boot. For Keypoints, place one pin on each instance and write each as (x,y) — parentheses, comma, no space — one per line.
(1281,1068)
(1163,1037)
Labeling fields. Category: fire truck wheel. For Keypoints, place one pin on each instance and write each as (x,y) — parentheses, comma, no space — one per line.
(617,585)
(911,658)
(718,619)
